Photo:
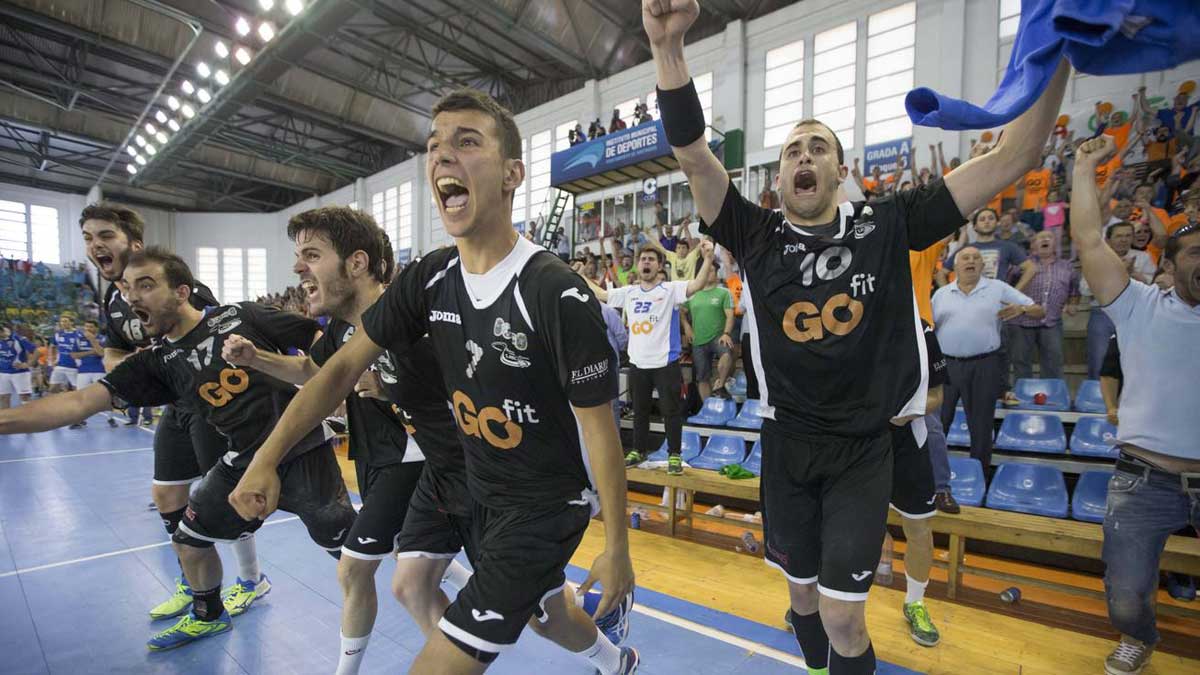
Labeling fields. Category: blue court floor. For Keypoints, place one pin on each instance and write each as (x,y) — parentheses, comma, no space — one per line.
(82,559)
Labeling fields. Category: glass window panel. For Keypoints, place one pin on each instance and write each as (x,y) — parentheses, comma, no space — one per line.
(888,130)
(256,272)
(899,38)
(834,79)
(889,19)
(792,112)
(232,276)
(777,97)
(835,37)
(786,54)
(785,76)
(43,227)
(835,58)
(652,104)
(885,108)
(891,63)
(704,82)
(1008,27)
(774,136)
(539,139)
(208,269)
(833,100)
(540,153)
(561,140)
(890,85)
(624,110)
(1010,8)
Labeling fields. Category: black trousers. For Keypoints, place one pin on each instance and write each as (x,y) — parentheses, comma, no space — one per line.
(668,380)
(978,382)
(748,368)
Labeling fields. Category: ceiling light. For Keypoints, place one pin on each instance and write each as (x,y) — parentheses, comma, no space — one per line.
(140,141)
(221,77)
(294,7)
(187,87)
(162,138)
(188,111)
(160,116)
(140,160)
(203,95)
(242,26)
(266,31)
(131,150)
(151,129)
(131,168)
(222,50)
(242,55)
(173,124)
(172,103)
(267,5)
(203,70)
(151,150)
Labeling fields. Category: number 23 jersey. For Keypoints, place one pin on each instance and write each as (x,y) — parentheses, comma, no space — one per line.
(242,404)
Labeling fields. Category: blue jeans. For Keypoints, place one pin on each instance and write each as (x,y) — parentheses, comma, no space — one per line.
(1048,340)
(1141,515)
(938,454)
(1100,329)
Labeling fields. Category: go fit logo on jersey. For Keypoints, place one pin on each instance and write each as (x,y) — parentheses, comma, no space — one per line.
(840,315)
(494,425)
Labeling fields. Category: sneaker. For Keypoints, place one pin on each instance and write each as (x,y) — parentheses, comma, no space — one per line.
(1181,586)
(674,465)
(630,660)
(1011,400)
(615,624)
(189,629)
(112,423)
(944,501)
(130,423)
(920,626)
(883,574)
(633,458)
(238,597)
(149,421)
(175,605)
(1129,658)
(723,393)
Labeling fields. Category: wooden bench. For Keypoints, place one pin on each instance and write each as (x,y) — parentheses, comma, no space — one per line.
(1182,554)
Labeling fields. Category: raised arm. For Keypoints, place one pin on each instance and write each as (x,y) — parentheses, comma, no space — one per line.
(666,22)
(1106,274)
(856,174)
(1020,147)
(701,278)
(941,158)
(52,412)
(239,351)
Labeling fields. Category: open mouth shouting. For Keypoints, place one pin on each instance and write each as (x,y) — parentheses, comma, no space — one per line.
(453,193)
(104,262)
(142,315)
(804,182)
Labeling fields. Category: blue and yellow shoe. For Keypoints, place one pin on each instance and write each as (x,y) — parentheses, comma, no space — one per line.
(238,597)
(189,629)
(615,624)
(175,605)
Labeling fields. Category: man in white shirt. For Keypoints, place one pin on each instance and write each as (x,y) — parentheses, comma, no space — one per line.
(652,313)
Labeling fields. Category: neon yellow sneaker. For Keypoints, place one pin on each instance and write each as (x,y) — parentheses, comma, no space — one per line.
(189,629)
(175,605)
(920,625)
(238,597)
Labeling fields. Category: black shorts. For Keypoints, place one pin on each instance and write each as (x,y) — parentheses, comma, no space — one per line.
(431,530)
(312,488)
(185,447)
(912,474)
(386,491)
(825,502)
(521,556)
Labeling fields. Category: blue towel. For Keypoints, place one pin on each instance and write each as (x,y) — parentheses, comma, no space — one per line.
(1098,37)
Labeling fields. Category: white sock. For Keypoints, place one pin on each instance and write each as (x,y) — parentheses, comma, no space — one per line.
(352,653)
(604,655)
(247,558)
(915,591)
(456,575)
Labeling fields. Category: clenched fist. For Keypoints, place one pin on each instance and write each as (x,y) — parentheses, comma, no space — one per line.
(667,21)
(238,351)
(1095,151)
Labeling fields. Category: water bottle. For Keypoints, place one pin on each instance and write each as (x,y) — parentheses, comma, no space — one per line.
(635,521)
(749,543)
(1011,595)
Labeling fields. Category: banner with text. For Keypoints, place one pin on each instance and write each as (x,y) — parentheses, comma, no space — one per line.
(884,155)
(613,151)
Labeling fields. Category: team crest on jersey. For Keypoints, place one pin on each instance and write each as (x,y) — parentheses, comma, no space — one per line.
(864,226)
(225,326)
(510,345)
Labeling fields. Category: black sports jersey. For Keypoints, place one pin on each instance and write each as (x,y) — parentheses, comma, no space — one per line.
(122,326)
(513,367)
(244,405)
(835,324)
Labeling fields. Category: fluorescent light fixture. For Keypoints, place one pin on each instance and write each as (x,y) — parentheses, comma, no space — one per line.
(242,55)
(172,103)
(203,95)
(221,77)
(160,116)
(140,160)
(161,137)
(267,5)
(242,26)
(173,124)
(294,7)
(187,87)
(221,49)
(151,129)
(203,70)
(131,168)
(188,111)
(151,150)
(140,141)
(266,31)
(131,150)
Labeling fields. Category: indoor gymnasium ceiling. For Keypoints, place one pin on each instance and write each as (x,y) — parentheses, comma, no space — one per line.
(339,91)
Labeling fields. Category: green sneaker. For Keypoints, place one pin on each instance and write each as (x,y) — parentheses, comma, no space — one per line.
(920,626)
(634,458)
(238,597)
(188,629)
(175,605)
(675,465)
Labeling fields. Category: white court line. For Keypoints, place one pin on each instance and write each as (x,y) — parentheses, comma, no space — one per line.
(116,553)
(78,454)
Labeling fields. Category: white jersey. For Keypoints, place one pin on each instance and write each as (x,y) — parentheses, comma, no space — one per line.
(653,320)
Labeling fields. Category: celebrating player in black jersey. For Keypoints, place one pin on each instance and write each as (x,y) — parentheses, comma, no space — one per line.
(185,446)
(835,330)
(186,367)
(524,355)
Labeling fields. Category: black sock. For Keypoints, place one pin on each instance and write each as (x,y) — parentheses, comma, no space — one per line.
(170,519)
(810,635)
(206,605)
(863,664)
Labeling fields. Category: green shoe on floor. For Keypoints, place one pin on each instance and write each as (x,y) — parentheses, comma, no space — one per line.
(920,626)
(189,629)
(674,465)
(634,458)
(238,597)
(175,605)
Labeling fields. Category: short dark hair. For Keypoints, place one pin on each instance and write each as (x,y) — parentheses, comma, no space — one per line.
(175,269)
(92,322)
(126,219)
(473,99)
(1124,223)
(348,230)
(975,218)
(841,153)
(657,254)
(1174,243)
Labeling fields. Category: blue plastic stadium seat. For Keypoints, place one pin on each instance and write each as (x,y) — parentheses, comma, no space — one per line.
(1032,432)
(1094,437)
(715,413)
(753,463)
(719,451)
(1089,399)
(1058,397)
(1091,496)
(738,388)
(967,483)
(1029,488)
(750,417)
(958,435)
(689,448)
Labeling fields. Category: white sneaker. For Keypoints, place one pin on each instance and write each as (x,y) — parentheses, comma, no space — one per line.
(1129,658)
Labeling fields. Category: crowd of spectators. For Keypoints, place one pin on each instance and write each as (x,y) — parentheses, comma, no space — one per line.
(641,115)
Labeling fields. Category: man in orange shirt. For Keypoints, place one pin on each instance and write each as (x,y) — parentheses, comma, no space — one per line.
(1031,195)
(1190,215)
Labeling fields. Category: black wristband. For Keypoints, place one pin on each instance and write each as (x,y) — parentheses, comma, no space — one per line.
(682,116)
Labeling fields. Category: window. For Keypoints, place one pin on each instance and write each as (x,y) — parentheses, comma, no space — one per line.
(520,211)
(704,86)
(891,40)
(539,174)
(652,104)
(384,210)
(1010,18)
(562,139)
(29,232)
(404,230)
(783,99)
(208,270)
(353,206)
(835,79)
(256,273)
(625,112)
(232,275)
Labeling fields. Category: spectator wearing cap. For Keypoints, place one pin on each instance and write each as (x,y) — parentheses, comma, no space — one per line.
(967,316)
(1138,266)
(1055,287)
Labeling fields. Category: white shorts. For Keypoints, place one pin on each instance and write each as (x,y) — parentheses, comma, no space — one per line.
(16,383)
(64,375)
(84,379)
